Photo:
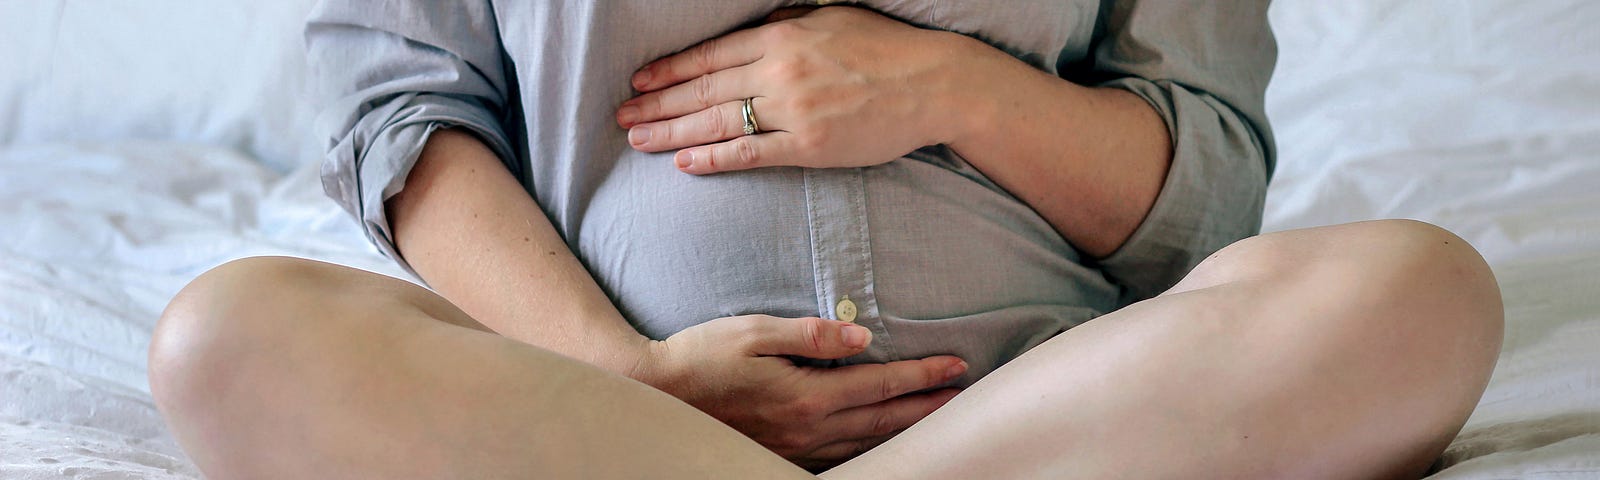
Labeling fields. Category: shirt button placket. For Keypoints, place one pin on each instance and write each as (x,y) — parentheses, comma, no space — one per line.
(841,255)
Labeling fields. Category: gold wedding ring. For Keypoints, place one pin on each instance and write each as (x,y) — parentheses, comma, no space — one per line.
(750,125)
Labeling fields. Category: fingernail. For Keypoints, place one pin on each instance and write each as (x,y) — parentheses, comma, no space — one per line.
(854,336)
(628,115)
(956,370)
(639,135)
(684,159)
(642,79)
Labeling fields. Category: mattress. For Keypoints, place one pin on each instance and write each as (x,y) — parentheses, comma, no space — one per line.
(1482,117)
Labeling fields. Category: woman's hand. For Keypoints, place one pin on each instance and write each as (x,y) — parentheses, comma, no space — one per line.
(836,87)
(735,369)
(847,87)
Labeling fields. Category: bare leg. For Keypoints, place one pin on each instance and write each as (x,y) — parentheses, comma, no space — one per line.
(1340,352)
(287,368)
(1353,351)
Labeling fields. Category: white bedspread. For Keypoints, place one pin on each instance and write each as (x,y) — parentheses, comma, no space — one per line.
(93,242)
(1483,117)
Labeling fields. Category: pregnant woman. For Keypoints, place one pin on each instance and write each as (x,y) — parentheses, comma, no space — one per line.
(897,239)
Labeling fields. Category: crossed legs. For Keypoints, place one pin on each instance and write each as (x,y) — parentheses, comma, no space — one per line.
(1352,351)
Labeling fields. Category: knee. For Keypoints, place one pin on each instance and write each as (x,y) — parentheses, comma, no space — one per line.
(1384,264)
(1415,267)
(1442,290)
(1420,285)
(1425,311)
(207,332)
(1407,292)
(1402,317)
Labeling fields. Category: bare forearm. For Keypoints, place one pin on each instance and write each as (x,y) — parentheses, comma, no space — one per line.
(1091,161)
(468,228)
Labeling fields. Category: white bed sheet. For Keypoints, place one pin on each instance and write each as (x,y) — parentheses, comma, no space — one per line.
(1483,117)
(94,239)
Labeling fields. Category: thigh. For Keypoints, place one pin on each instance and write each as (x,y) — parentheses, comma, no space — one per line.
(285,368)
(1352,351)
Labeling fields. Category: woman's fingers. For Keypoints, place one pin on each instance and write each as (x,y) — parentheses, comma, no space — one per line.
(735,375)
(734,49)
(720,122)
(769,149)
(879,421)
(864,428)
(698,94)
(872,383)
(831,87)
(809,337)
(844,450)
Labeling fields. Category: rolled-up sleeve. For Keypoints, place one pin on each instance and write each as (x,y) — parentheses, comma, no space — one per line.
(389,73)
(1204,67)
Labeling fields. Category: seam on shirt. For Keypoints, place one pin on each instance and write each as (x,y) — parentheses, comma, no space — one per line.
(816,247)
(858,205)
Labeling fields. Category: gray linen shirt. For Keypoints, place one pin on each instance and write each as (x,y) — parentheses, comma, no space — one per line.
(936,258)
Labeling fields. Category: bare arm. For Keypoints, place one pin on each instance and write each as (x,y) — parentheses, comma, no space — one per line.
(1158,135)
(854,88)
(466,226)
(1090,160)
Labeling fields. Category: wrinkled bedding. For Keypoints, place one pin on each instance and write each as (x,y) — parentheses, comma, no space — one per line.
(1482,117)
(95,240)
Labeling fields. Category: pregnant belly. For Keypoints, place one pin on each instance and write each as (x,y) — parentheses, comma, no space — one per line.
(950,265)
